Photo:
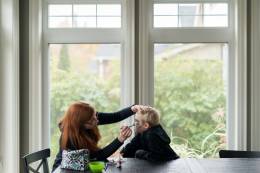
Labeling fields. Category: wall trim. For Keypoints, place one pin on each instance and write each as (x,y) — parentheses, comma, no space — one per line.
(128,41)
(35,75)
(9,88)
(255,71)
(240,101)
(16,84)
(145,62)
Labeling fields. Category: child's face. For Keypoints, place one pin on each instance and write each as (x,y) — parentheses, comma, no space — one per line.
(140,124)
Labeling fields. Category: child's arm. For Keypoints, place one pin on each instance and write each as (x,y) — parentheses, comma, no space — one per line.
(155,150)
(130,149)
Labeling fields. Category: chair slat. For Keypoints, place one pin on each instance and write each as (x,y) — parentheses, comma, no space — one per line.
(39,166)
(34,157)
(37,155)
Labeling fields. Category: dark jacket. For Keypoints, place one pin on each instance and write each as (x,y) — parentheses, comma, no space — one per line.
(102,154)
(152,145)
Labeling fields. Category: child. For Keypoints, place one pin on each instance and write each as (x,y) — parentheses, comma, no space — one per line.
(151,141)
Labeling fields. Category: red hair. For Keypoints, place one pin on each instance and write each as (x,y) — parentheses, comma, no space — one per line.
(73,129)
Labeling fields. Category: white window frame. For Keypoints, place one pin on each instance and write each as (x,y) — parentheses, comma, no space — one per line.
(234,35)
(91,36)
(39,92)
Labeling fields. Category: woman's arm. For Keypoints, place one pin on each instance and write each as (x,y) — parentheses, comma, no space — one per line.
(125,132)
(104,153)
(107,118)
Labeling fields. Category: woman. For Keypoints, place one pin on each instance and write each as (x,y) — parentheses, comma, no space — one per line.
(79,130)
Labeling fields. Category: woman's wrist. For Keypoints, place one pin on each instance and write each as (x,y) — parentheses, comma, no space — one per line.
(122,140)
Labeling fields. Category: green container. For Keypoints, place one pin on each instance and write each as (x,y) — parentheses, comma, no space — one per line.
(96,166)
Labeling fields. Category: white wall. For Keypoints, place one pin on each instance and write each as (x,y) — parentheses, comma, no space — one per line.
(9,86)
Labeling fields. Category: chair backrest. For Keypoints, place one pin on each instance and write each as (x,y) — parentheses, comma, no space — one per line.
(238,154)
(34,157)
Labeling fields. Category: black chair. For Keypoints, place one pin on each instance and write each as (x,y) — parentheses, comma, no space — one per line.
(238,154)
(34,157)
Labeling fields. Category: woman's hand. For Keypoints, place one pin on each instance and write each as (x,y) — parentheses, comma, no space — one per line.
(137,108)
(125,132)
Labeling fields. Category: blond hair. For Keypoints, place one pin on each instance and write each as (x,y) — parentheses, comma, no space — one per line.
(150,115)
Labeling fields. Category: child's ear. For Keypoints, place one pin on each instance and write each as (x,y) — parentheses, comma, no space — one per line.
(146,125)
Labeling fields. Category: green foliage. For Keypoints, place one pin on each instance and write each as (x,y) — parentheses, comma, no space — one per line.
(64,62)
(70,86)
(189,94)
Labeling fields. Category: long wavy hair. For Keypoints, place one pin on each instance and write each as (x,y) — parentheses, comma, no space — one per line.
(73,130)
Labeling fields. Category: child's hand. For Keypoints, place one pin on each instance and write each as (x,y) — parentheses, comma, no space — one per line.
(125,132)
(141,154)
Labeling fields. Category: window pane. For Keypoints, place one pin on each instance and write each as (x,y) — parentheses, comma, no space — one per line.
(85,15)
(165,21)
(109,10)
(216,9)
(89,72)
(215,21)
(109,22)
(84,10)
(60,10)
(165,9)
(190,21)
(190,9)
(191,15)
(84,21)
(191,94)
(60,22)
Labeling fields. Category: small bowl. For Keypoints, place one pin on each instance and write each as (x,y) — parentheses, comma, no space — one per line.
(96,166)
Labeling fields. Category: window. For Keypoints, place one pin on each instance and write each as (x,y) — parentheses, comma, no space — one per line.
(84,16)
(191,72)
(82,63)
(182,54)
(89,72)
(190,15)
(187,66)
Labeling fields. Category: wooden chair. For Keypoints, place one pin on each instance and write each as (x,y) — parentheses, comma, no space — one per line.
(34,157)
(238,154)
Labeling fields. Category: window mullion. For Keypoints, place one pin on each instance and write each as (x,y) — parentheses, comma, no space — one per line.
(145,53)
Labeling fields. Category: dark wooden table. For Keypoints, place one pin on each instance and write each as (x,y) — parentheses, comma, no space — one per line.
(188,165)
